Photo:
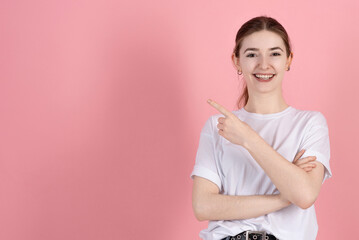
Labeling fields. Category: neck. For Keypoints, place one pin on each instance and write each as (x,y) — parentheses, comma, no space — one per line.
(265,103)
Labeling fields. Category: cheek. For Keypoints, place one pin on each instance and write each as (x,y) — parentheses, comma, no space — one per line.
(280,62)
(249,78)
(248,64)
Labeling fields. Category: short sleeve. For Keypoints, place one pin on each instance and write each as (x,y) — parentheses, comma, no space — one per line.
(316,142)
(205,163)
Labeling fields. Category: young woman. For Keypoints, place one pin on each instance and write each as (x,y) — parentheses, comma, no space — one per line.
(259,169)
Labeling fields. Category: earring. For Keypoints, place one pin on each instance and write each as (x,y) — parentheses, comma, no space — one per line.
(239,73)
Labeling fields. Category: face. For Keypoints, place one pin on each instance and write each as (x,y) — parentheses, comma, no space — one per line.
(263,61)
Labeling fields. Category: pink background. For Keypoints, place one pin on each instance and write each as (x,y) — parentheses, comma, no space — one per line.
(102,103)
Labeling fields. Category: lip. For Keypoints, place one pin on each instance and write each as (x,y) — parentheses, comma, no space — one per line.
(264,73)
(261,80)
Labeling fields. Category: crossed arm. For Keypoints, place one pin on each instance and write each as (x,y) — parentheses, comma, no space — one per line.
(208,204)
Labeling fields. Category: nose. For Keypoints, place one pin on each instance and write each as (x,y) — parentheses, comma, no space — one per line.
(263,63)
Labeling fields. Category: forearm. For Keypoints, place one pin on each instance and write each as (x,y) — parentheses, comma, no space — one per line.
(227,207)
(291,181)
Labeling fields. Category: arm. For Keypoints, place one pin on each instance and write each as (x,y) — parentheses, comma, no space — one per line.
(208,204)
(298,186)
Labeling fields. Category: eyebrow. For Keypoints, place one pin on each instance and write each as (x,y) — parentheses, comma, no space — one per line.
(256,49)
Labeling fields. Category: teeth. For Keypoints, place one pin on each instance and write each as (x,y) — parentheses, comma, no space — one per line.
(264,76)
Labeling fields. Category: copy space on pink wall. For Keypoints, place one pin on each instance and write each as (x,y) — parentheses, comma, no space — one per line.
(102,103)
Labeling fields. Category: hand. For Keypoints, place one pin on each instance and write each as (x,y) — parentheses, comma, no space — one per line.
(305,163)
(231,127)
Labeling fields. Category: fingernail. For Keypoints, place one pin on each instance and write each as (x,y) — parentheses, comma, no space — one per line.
(209,100)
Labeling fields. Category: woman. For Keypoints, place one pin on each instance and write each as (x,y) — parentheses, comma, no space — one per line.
(260,168)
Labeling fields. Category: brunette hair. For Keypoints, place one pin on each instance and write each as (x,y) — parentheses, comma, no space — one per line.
(255,25)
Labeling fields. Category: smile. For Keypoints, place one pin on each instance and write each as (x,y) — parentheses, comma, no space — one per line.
(264,77)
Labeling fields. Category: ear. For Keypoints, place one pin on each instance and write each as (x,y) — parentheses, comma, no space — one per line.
(235,62)
(289,60)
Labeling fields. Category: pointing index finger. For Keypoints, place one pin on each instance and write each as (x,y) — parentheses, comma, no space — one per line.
(220,108)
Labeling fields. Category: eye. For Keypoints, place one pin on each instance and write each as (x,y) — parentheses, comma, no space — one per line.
(278,54)
(250,55)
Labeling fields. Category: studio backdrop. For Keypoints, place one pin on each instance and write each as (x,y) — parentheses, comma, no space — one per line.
(102,104)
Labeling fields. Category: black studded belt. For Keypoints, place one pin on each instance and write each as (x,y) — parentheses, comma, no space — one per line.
(251,235)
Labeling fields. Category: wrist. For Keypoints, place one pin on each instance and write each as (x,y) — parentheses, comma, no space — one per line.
(252,141)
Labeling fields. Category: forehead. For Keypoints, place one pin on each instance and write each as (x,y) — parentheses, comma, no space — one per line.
(263,40)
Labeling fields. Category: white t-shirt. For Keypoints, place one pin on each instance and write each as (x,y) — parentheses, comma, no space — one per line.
(235,172)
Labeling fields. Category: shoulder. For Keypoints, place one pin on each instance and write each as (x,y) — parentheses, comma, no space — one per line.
(311,117)
(211,121)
